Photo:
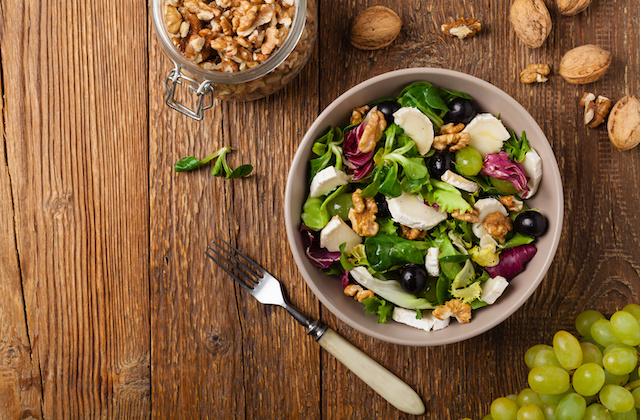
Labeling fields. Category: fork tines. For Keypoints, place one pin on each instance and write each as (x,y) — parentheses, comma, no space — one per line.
(246,271)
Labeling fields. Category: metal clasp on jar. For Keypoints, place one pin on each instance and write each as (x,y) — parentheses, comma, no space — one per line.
(204,91)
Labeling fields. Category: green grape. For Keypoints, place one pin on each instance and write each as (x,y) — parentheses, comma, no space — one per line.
(512,397)
(487,417)
(591,353)
(585,320)
(625,326)
(634,310)
(530,411)
(567,349)
(531,353)
(504,409)
(596,412)
(548,399)
(549,380)
(546,357)
(616,398)
(636,397)
(529,396)
(588,379)
(340,205)
(601,332)
(550,411)
(620,360)
(634,375)
(504,187)
(610,378)
(571,407)
(592,341)
(629,415)
(469,161)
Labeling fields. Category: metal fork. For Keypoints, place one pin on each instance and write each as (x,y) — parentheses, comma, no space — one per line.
(268,290)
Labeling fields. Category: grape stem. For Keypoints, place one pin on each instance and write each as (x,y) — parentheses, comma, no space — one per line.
(633,385)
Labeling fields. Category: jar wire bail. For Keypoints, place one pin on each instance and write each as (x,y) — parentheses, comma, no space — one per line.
(204,91)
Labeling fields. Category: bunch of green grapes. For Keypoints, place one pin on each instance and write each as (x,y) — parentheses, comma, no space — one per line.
(594,378)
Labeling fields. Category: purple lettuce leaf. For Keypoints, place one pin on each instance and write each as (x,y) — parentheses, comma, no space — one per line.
(360,163)
(512,261)
(345,279)
(318,256)
(499,166)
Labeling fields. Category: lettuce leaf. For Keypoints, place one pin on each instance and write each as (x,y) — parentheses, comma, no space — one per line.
(446,196)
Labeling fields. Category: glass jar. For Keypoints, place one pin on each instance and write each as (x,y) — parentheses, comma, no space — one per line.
(250,84)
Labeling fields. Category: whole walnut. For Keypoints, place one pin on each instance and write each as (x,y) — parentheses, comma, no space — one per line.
(624,123)
(531,21)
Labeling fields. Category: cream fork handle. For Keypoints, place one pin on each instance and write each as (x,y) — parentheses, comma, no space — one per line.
(385,383)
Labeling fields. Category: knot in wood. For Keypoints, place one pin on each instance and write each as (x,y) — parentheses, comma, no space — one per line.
(214,342)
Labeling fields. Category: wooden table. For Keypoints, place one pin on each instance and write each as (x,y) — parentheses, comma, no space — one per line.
(108,307)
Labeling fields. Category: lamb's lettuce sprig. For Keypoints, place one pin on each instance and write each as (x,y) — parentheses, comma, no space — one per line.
(329,150)
(395,166)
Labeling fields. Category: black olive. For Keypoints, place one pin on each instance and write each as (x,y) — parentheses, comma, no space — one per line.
(531,223)
(461,111)
(413,278)
(439,163)
(388,108)
(383,208)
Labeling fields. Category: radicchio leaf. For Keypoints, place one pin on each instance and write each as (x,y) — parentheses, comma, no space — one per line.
(345,279)
(318,256)
(360,163)
(512,261)
(499,166)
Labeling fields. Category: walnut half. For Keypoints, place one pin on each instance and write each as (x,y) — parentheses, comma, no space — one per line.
(363,215)
(535,73)
(456,308)
(461,28)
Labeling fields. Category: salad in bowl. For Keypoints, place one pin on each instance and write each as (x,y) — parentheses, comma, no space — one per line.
(419,205)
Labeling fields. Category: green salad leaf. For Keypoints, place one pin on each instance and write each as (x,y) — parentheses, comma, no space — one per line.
(378,306)
(389,290)
(220,168)
(446,196)
(426,97)
(449,95)
(469,293)
(516,147)
(328,148)
(385,251)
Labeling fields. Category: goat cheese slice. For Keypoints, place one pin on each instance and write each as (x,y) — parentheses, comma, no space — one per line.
(532,164)
(417,126)
(439,324)
(431,262)
(487,134)
(459,181)
(326,181)
(410,210)
(408,317)
(485,207)
(493,289)
(336,233)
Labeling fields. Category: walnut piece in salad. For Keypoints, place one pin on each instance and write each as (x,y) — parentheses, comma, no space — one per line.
(228,35)
(453,225)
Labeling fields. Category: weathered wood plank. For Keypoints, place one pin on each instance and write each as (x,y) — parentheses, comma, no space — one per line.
(75,131)
(196,337)
(20,390)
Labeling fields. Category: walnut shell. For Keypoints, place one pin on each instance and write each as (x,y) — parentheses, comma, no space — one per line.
(584,64)
(624,123)
(531,21)
(375,28)
(572,7)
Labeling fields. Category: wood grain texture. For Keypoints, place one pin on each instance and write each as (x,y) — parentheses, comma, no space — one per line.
(109,308)
(75,133)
